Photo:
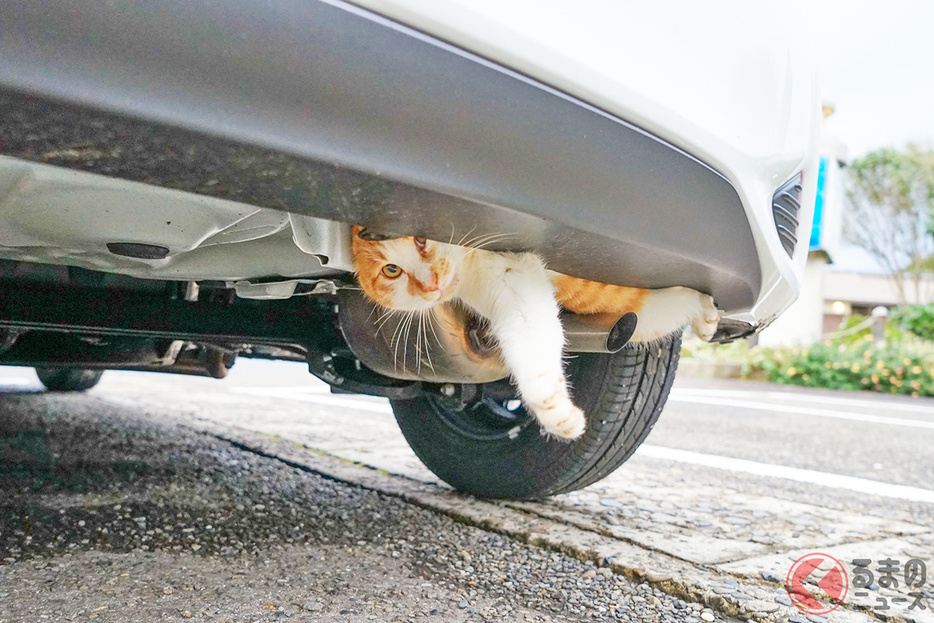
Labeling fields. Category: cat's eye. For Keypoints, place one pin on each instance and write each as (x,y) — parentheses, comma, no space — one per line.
(420,243)
(392,271)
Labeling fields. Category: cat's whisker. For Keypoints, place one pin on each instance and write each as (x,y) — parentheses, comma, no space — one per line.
(397,341)
(494,239)
(394,344)
(425,321)
(484,241)
(418,349)
(386,313)
(467,235)
(465,242)
(382,320)
(493,235)
(431,325)
(405,344)
(483,236)
(417,322)
(418,342)
(380,326)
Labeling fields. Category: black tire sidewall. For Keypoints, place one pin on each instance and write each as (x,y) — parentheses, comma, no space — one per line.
(63,379)
(622,394)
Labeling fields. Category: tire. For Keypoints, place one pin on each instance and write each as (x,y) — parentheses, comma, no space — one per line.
(68,379)
(477,450)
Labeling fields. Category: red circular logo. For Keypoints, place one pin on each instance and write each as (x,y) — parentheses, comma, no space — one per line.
(834,583)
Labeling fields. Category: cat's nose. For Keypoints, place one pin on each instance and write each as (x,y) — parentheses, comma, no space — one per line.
(431,286)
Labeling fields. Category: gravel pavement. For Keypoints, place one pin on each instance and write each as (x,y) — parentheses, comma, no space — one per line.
(117,513)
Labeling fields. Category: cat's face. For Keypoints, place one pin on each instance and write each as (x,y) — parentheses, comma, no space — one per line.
(405,273)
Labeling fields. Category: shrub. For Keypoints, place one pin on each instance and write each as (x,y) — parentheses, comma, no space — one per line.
(916,319)
(903,364)
(901,368)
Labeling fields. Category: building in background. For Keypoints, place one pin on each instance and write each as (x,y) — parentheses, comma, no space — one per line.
(855,284)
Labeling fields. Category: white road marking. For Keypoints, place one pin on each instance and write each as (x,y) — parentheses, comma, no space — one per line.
(824,479)
(285,390)
(18,382)
(311,396)
(878,403)
(791,409)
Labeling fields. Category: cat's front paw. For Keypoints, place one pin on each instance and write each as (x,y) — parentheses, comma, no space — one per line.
(547,397)
(567,424)
(705,325)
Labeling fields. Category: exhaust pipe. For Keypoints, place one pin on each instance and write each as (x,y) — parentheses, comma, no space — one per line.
(597,333)
(457,347)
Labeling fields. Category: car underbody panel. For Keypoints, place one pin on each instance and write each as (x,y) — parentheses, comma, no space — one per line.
(351,118)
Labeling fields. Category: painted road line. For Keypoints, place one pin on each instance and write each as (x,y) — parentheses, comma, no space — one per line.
(19,382)
(321,399)
(878,403)
(823,479)
(793,410)
(286,390)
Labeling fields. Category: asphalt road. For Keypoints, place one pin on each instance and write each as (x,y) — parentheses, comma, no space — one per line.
(264,497)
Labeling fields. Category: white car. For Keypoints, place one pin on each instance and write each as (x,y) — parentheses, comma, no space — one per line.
(178,179)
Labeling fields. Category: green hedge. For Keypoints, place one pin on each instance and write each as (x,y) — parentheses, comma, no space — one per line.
(899,368)
(902,364)
(916,319)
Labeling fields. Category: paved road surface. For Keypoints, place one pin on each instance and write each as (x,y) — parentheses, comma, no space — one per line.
(735,483)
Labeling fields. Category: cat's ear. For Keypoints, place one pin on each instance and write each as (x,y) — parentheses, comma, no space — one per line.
(356,229)
(372,236)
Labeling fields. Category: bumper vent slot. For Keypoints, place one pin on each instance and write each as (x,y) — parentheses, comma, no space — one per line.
(786,203)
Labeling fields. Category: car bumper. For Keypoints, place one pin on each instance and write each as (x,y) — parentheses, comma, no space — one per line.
(327,109)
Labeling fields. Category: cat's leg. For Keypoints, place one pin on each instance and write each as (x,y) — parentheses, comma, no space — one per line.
(705,324)
(667,310)
(514,294)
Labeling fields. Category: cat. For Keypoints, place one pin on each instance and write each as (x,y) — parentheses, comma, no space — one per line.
(520,299)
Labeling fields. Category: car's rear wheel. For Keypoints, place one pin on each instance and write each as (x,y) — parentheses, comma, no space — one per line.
(491,446)
(62,379)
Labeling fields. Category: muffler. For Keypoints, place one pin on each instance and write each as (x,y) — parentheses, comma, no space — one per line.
(455,345)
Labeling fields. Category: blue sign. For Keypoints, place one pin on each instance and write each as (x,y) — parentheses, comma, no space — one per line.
(815,242)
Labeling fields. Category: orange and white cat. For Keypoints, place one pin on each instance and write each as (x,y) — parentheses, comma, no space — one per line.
(520,298)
